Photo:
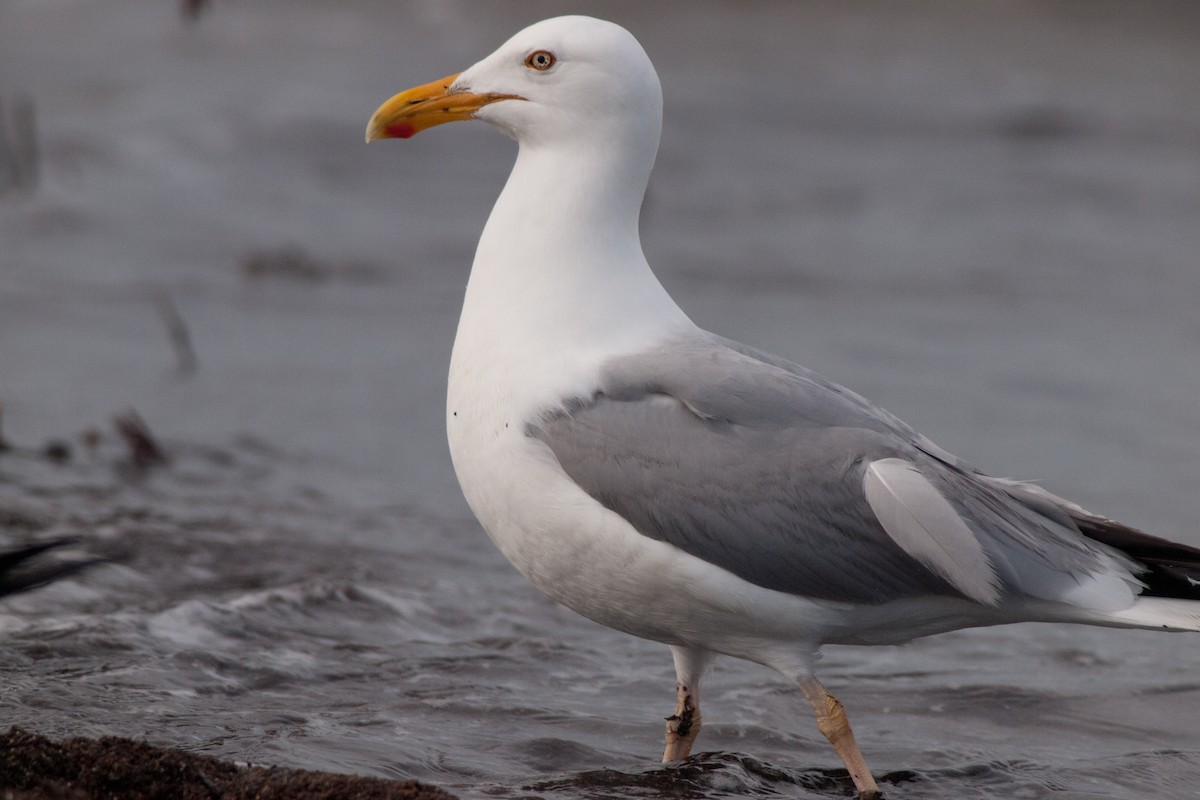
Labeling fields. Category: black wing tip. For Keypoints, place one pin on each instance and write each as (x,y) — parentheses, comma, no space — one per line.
(1172,568)
(21,570)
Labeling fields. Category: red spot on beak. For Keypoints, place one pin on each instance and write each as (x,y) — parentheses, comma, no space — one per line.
(400,130)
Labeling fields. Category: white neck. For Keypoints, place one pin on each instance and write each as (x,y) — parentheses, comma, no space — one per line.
(559,281)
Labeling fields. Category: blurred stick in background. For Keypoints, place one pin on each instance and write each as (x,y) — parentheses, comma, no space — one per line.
(177,331)
(19,156)
(4,445)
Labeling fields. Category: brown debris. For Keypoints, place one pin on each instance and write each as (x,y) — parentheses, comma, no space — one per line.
(33,767)
(91,438)
(57,450)
(191,10)
(293,263)
(289,262)
(144,451)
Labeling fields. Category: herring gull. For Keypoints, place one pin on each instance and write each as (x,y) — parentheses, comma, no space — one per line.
(682,487)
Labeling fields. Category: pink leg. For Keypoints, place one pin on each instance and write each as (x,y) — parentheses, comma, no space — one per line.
(831,721)
(684,725)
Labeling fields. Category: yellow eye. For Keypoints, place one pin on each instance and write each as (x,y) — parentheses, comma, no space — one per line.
(541,60)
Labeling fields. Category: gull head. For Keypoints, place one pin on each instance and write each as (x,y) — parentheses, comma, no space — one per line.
(569,80)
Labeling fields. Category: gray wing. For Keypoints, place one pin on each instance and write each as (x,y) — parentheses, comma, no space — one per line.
(796,484)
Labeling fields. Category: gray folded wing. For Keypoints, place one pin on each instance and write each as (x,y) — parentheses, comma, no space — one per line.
(796,484)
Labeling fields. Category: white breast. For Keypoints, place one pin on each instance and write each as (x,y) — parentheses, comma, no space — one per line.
(559,286)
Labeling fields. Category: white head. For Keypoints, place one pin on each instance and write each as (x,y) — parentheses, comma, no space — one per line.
(559,275)
(564,80)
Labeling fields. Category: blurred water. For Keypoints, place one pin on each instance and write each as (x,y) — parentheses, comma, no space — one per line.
(982,217)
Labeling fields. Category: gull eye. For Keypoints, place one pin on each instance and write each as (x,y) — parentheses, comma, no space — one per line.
(541,60)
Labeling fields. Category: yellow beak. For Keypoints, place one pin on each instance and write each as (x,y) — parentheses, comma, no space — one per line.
(421,107)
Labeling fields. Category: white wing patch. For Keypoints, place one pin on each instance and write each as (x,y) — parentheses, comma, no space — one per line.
(926,526)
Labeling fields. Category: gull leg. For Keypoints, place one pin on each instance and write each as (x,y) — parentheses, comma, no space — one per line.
(831,721)
(684,724)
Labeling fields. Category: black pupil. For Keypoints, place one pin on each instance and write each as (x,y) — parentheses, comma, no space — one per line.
(541,60)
